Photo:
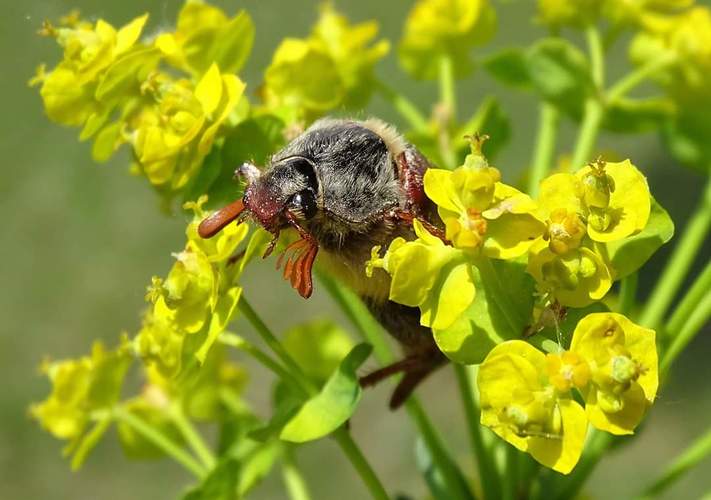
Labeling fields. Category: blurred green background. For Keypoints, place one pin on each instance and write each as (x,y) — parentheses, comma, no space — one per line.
(80,242)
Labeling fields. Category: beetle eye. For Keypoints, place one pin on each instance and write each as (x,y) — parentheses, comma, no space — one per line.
(305,203)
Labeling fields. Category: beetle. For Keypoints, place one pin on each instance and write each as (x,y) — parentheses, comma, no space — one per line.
(346,186)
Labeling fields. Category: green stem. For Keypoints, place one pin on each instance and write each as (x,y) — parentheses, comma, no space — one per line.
(406,108)
(509,480)
(545,146)
(440,456)
(293,480)
(369,328)
(633,79)
(349,447)
(447,87)
(597,445)
(686,307)
(448,101)
(589,130)
(358,314)
(628,294)
(698,451)
(679,263)
(263,358)
(691,327)
(274,344)
(597,55)
(487,472)
(361,465)
(161,441)
(191,436)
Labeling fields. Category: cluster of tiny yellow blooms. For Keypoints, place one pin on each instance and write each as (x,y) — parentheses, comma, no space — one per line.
(564,237)
(434,28)
(187,312)
(172,95)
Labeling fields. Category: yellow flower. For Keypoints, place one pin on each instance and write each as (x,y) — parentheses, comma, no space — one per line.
(84,390)
(566,370)
(428,274)
(577,13)
(576,278)
(221,247)
(565,231)
(480,213)
(174,132)
(616,198)
(68,91)
(349,47)
(524,408)
(204,36)
(332,67)
(444,28)
(622,359)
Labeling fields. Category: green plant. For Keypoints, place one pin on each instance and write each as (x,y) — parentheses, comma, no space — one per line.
(518,297)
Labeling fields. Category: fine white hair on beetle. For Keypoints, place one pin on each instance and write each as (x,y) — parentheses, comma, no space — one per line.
(249,172)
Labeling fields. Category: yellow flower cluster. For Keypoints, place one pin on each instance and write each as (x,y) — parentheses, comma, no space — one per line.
(437,29)
(685,39)
(331,68)
(526,395)
(580,13)
(189,309)
(198,298)
(602,203)
(112,84)
(483,218)
(471,285)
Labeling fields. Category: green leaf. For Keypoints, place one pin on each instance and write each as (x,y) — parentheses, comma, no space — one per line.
(509,66)
(253,140)
(105,143)
(221,316)
(489,119)
(629,254)
(220,484)
(256,464)
(317,347)
(560,74)
(233,43)
(205,177)
(501,310)
(638,115)
(333,406)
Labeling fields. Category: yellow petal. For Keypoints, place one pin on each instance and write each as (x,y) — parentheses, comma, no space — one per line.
(633,407)
(562,454)
(560,191)
(439,188)
(630,202)
(209,89)
(127,36)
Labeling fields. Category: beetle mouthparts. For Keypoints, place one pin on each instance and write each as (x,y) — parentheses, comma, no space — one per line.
(213,224)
